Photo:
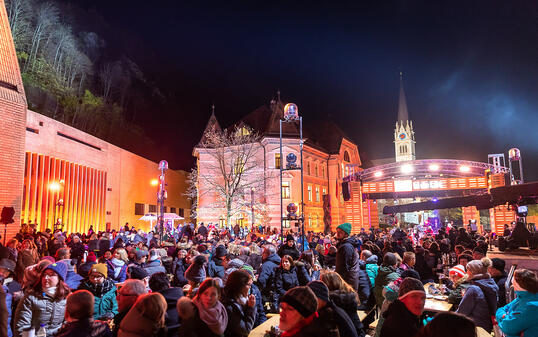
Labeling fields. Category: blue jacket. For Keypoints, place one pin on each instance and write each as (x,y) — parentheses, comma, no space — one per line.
(9,303)
(371,268)
(260,311)
(155,266)
(73,279)
(215,268)
(519,316)
(111,266)
(480,302)
(285,280)
(267,273)
(347,262)
(178,269)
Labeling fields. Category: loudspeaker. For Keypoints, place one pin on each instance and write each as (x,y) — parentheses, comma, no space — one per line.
(7,215)
(346,193)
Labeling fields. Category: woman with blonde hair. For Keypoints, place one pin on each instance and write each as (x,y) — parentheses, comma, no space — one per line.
(344,296)
(146,317)
(117,265)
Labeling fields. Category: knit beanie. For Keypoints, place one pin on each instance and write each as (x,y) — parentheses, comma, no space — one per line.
(91,257)
(59,268)
(479,266)
(498,264)
(410,285)
(346,227)
(458,270)
(153,255)
(320,290)
(410,273)
(289,237)
(248,268)
(196,271)
(100,268)
(140,253)
(8,264)
(301,299)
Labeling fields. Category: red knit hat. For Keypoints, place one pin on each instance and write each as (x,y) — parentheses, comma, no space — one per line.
(91,257)
(458,270)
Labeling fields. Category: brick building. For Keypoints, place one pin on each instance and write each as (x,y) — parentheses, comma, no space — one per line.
(328,156)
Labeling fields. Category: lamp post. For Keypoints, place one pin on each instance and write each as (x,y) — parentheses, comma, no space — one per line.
(161,196)
(291,115)
(55,187)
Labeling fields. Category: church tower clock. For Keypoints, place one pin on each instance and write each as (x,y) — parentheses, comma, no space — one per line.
(404,136)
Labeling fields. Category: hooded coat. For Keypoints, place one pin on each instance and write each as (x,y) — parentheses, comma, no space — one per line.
(385,275)
(117,270)
(371,268)
(348,303)
(33,310)
(519,316)
(399,321)
(105,306)
(284,281)
(267,273)
(241,318)
(480,301)
(347,262)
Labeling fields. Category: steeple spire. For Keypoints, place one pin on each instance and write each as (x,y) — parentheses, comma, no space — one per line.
(403,116)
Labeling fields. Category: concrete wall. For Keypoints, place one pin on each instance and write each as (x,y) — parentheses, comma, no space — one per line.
(128,175)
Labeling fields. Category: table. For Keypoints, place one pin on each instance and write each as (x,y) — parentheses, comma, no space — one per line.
(480,332)
(437,305)
(261,329)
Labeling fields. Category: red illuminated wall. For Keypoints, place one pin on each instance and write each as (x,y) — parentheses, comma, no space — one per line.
(12,123)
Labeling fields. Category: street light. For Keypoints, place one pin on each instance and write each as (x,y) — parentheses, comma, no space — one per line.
(154,182)
(55,187)
(252,189)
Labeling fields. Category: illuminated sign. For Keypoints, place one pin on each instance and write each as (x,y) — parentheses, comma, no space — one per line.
(403,185)
(409,185)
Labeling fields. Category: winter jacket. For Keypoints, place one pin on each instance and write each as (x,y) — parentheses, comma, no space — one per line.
(178,269)
(103,245)
(135,324)
(171,320)
(323,324)
(287,250)
(343,321)
(399,321)
(303,274)
(330,260)
(254,260)
(155,266)
(194,327)
(348,302)
(267,273)
(519,316)
(215,268)
(77,251)
(424,266)
(25,258)
(34,310)
(385,275)
(500,280)
(117,270)
(371,268)
(364,289)
(241,318)
(480,301)
(284,281)
(260,310)
(455,294)
(106,306)
(8,303)
(85,328)
(347,262)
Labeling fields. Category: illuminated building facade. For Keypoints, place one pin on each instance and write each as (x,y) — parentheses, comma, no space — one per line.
(328,156)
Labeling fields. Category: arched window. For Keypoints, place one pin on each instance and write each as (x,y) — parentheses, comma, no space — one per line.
(346,156)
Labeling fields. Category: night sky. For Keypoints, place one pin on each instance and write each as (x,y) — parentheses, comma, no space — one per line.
(470,69)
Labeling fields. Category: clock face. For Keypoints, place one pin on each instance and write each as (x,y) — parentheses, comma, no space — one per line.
(402,135)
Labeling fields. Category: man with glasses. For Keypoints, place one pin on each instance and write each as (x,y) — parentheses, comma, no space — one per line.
(126,298)
(104,291)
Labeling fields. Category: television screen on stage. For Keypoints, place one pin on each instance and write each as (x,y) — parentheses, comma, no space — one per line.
(522,210)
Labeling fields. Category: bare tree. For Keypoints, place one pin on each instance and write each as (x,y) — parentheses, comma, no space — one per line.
(19,12)
(47,17)
(235,168)
(192,191)
(107,77)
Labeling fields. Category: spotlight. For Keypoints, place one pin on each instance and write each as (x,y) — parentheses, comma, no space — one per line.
(54,186)
(154,182)
(378,174)
(464,168)
(434,167)
(407,168)
(435,200)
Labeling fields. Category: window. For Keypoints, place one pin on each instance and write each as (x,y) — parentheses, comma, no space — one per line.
(317,172)
(286,224)
(277,160)
(309,221)
(181,212)
(222,221)
(139,209)
(153,208)
(309,193)
(239,166)
(172,210)
(346,156)
(243,131)
(323,171)
(308,168)
(324,191)
(286,190)
(317,194)
(165,209)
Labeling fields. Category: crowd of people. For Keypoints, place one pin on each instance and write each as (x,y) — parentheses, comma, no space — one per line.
(208,281)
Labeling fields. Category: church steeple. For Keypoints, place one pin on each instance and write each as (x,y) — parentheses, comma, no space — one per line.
(403,116)
(404,136)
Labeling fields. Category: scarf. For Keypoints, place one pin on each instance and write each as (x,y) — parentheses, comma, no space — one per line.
(216,318)
(98,290)
(116,265)
(51,291)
